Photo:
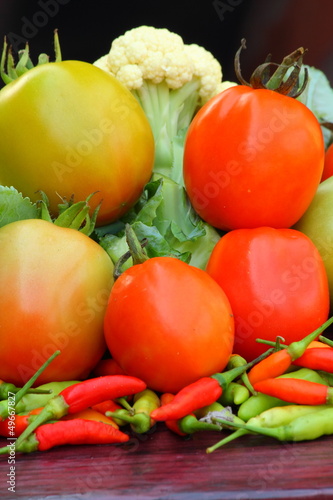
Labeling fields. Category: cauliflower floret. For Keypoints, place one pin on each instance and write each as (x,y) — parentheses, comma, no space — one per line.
(102,63)
(162,55)
(170,80)
(207,68)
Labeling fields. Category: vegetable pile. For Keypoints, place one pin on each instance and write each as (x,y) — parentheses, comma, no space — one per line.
(165,246)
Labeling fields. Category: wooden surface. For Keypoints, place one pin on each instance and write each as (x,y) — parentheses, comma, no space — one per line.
(164,466)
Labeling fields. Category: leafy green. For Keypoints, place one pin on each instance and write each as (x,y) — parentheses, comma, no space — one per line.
(13,206)
(164,218)
(318,97)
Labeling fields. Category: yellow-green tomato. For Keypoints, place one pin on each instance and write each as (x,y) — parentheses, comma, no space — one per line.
(55,284)
(69,128)
(317,224)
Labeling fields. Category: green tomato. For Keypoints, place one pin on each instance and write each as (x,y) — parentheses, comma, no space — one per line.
(55,284)
(317,224)
(69,128)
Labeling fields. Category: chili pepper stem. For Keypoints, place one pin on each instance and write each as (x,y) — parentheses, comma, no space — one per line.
(225,378)
(236,434)
(23,390)
(56,408)
(140,422)
(325,340)
(296,349)
(123,402)
(33,379)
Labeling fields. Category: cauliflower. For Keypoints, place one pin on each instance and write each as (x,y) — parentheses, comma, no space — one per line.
(170,79)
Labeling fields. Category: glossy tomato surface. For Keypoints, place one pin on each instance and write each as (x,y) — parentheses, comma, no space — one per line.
(55,284)
(276,283)
(168,323)
(69,128)
(252,158)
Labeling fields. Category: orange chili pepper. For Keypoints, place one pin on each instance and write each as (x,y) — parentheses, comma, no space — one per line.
(14,427)
(90,414)
(317,359)
(278,362)
(297,391)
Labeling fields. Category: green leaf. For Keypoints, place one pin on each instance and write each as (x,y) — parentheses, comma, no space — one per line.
(14,207)
(165,217)
(318,97)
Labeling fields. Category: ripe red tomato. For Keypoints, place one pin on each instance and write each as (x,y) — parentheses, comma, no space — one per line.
(81,131)
(252,158)
(328,164)
(168,323)
(55,284)
(276,283)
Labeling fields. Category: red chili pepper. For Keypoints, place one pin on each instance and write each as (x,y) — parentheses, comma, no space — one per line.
(297,391)
(317,359)
(203,392)
(188,424)
(83,395)
(278,362)
(14,427)
(172,425)
(70,432)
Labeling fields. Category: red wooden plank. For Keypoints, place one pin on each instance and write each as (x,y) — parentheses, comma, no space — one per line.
(164,466)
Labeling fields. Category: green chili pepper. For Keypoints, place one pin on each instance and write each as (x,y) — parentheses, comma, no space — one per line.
(235,394)
(328,377)
(6,387)
(235,361)
(190,424)
(304,428)
(274,417)
(215,409)
(139,415)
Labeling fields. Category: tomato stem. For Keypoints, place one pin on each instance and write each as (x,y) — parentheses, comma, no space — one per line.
(136,251)
(10,72)
(262,78)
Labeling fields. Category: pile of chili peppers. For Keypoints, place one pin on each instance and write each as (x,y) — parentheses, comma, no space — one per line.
(287,394)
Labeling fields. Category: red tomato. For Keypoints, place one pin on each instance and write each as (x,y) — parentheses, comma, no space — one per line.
(168,323)
(276,283)
(328,164)
(55,284)
(253,158)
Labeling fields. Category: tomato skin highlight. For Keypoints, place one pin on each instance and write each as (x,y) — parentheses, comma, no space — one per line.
(55,284)
(276,283)
(69,128)
(252,158)
(168,324)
